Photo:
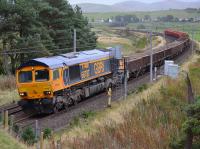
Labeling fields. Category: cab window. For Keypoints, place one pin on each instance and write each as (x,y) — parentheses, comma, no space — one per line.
(41,75)
(56,74)
(65,76)
(25,76)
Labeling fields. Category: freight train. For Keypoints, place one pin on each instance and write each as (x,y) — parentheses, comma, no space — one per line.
(50,84)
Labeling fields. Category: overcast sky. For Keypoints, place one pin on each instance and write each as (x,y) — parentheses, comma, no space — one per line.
(116,1)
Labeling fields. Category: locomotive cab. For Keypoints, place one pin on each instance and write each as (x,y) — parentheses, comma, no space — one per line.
(34,83)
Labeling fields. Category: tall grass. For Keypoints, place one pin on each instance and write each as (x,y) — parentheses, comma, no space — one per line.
(7,83)
(8,92)
(152,123)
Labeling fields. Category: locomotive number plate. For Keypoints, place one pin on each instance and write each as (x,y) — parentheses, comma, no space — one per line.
(85,74)
(98,67)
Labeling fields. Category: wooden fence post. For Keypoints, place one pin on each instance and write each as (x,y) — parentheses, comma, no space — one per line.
(6,120)
(58,144)
(36,130)
(11,123)
(191,100)
(53,141)
(42,140)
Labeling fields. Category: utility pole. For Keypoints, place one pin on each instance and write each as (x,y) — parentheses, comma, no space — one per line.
(151,59)
(192,42)
(147,39)
(165,44)
(74,40)
(125,77)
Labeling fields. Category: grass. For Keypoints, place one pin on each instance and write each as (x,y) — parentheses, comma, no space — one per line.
(7,142)
(8,92)
(7,83)
(129,42)
(161,26)
(149,125)
(153,14)
(149,119)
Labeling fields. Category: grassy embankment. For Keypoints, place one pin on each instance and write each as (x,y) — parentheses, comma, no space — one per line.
(130,42)
(149,119)
(7,142)
(8,92)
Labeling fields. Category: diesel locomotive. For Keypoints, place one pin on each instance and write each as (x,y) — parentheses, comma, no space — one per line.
(50,84)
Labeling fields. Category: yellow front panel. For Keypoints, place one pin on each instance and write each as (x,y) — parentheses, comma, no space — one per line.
(33,89)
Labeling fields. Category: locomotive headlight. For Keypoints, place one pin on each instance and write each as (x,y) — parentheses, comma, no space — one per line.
(47,92)
(23,94)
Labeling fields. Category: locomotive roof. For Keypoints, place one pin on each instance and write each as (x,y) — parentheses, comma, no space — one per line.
(68,59)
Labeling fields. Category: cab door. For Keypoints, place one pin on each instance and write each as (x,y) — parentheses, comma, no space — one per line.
(57,81)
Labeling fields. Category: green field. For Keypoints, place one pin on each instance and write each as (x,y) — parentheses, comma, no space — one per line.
(129,42)
(153,14)
(181,26)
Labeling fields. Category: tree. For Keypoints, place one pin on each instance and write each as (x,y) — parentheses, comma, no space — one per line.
(147,18)
(46,25)
(61,20)
(85,38)
(20,30)
(169,18)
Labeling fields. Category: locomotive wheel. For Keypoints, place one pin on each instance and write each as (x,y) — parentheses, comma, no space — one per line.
(57,107)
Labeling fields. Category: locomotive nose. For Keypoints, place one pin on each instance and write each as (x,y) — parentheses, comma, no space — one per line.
(35,90)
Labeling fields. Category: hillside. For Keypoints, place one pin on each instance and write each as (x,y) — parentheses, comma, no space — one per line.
(130,6)
(149,119)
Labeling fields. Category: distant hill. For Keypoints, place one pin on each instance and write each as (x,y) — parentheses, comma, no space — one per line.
(89,7)
(128,6)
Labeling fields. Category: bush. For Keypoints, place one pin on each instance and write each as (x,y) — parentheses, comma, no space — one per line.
(28,136)
(141,26)
(142,88)
(88,114)
(47,133)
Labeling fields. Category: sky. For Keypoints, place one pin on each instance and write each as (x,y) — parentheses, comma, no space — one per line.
(109,2)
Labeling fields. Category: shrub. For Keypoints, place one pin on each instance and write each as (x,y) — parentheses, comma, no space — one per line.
(88,114)
(47,133)
(142,88)
(141,26)
(28,136)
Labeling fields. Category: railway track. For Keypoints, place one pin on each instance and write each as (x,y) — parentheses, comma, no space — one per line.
(12,108)
(63,118)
